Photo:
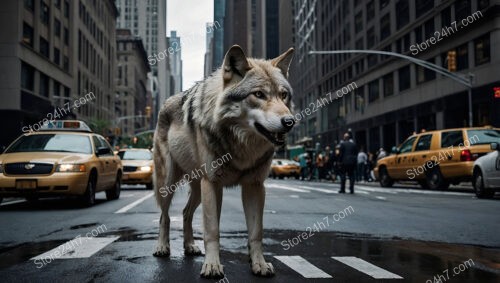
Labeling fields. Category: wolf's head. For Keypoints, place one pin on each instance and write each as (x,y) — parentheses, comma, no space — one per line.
(257,93)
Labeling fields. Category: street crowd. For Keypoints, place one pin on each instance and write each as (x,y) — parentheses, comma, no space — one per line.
(346,161)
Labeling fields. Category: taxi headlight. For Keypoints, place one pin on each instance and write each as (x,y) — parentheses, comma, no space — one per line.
(145,168)
(70,168)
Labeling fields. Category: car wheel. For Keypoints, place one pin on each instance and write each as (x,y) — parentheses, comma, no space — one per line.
(385,180)
(149,186)
(114,193)
(435,180)
(478,184)
(31,199)
(88,198)
(423,184)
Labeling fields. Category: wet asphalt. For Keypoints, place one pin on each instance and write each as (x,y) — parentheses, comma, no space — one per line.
(417,235)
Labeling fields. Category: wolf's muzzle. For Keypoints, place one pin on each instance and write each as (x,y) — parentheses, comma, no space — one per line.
(288,122)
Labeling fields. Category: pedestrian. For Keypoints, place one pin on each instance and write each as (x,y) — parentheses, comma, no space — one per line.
(370,165)
(303,166)
(361,168)
(320,165)
(328,163)
(348,160)
(381,153)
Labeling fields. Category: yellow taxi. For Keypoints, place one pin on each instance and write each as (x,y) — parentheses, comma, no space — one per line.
(284,168)
(137,166)
(437,158)
(63,158)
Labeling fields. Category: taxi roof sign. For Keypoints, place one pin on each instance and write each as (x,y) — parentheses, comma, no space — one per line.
(66,125)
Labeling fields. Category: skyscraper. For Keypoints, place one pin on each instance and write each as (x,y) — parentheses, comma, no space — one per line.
(174,42)
(218,35)
(147,19)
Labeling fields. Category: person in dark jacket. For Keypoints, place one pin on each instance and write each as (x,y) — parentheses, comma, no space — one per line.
(348,157)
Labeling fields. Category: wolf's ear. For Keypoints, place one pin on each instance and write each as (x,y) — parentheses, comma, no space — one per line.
(283,61)
(235,63)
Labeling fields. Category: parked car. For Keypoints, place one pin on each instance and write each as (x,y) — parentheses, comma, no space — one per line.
(486,174)
(137,166)
(64,158)
(284,168)
(436,158)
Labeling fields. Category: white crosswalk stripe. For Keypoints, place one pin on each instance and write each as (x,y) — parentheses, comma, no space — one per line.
(366,267)
(275,186)
(303,267)
(80,247)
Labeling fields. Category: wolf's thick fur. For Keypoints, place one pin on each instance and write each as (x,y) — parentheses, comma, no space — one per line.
(243,109)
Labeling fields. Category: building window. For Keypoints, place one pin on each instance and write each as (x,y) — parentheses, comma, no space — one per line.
(370,38)
(404,78)
(373,92)
(358,22)
(57,56)
(429,28)
(27,34)
(370,11)
(423,6)
(27,77)
(462,9)
(44,85)
(57,28)
(403,13)
(385,26)
(418,34)
(66,63)
(446,17)
(384,3)
(57,3)
(462,57)
(388,84)
(359,44)
(482,4)
(44,12)
(66,36)
(44,47)
(482,50)
(66,8)
(29,5)
(425,74)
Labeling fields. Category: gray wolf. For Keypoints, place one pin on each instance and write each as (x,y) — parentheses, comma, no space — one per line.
(244,109)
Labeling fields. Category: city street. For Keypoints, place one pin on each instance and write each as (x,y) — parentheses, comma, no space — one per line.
(402,234)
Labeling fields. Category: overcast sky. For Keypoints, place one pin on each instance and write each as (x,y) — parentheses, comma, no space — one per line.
(188,18)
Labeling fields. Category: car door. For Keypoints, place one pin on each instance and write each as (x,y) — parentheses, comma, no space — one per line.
(104,171)
(417,159)
(492,169)
(113,161)
(402,159)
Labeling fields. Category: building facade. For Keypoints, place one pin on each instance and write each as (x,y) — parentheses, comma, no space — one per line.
(391,98)
(54,53)
(147,19)
(132,96)
(174,42)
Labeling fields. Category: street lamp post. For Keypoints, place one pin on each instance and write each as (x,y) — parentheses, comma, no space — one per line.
(464,80)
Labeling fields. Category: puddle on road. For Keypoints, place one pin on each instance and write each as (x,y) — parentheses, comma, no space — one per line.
(415,260)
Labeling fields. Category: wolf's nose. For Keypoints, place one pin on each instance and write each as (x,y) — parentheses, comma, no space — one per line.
(288,122)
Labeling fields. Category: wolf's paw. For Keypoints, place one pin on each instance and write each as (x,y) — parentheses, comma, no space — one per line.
(162,251)
(262,268)
(192,250)
(212,270)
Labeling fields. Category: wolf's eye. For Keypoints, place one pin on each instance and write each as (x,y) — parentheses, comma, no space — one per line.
(259,94)
(284,95)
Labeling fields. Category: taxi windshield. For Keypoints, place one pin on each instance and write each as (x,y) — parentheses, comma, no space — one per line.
(52,143)
(135,155)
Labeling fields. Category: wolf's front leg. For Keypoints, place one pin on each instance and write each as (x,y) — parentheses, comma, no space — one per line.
(253,196)
(211,198)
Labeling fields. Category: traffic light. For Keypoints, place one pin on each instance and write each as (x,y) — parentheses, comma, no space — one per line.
(452,61)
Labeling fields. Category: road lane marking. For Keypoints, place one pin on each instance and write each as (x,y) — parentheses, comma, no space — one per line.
(80,247)
(288,188)
(366,267)
(12,202)
(382,198)
(318,189)
(303,267)
(135,203)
